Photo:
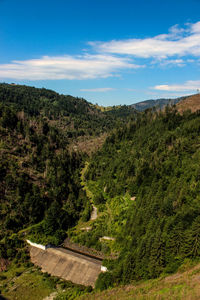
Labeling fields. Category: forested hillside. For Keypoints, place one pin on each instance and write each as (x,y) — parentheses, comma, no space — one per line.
(75,116)
(40,181)
(155,162)
(39,177)
(40,191)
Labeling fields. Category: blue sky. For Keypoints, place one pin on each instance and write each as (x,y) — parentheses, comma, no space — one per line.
(108,52)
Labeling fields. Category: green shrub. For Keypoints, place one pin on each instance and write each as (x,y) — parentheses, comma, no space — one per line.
(104,281)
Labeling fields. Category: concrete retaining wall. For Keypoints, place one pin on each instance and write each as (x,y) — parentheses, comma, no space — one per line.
(67,264)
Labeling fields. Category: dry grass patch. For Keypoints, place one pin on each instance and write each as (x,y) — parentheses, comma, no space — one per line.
(191,103)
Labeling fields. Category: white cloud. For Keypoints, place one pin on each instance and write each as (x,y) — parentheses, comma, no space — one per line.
(112,57)
(190,85)
(101,90)
(195,27)
(178,42)
(66,67)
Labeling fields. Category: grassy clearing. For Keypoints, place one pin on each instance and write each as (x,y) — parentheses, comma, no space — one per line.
(27,283)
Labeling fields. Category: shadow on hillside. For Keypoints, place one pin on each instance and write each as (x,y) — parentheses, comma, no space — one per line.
(3,298)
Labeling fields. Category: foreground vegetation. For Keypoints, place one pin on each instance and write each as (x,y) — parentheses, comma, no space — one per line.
(24,281)
(180,286)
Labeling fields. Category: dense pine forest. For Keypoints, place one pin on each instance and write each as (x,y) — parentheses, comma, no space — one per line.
(76,116)
(144,181)
(155,162)
(39,178)
(39,170)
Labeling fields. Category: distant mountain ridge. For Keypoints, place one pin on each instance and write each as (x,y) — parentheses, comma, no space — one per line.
(76,116)
(159,103)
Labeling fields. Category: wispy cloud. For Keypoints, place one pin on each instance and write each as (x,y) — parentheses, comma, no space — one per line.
(177,42)
(190,85)
(176,48)
(99,90)
(66,67)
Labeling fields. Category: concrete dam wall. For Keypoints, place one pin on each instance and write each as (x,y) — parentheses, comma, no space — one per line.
(67,264)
